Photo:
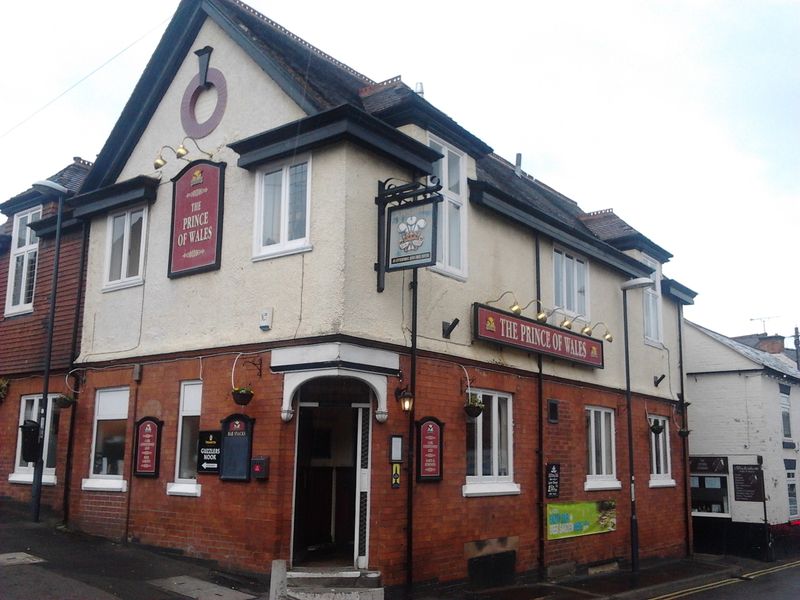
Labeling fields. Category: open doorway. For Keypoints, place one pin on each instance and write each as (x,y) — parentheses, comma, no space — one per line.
(329,448)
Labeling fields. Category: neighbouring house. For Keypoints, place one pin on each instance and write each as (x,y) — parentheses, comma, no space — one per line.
(26,267)
(262,377)
(744,440)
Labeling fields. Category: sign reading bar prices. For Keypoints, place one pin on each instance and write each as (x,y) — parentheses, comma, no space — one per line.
(507,329)
(197,194)
(148,447)
(411,239)
(429,449)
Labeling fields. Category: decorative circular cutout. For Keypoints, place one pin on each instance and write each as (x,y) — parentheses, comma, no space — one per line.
(189,121)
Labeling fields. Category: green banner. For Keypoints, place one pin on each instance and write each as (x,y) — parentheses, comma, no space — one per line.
(571,519)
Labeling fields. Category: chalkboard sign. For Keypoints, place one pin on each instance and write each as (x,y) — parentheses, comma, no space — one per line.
(553,479)
(747,483)
(237,441)
(148,447)
(209,449)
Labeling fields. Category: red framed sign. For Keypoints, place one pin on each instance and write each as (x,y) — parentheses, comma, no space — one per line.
(196,233)
(430,440)
(507,329)
(147,450)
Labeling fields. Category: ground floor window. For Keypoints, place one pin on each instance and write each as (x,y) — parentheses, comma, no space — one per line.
(490,447)
(660,462)
(185,483)
(791,484)
(29,411)
(108,445)
(601,470)
(710,494)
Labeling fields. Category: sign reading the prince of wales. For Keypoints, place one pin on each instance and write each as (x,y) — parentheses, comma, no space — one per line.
(510,330)
(197,195)
(411,235)
(571,519)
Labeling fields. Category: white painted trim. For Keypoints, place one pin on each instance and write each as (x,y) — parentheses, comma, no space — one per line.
(490,489)
(13,252)
(662,483)
(591,485)
(184,489)
(27,478)
(282,252)
(96,484)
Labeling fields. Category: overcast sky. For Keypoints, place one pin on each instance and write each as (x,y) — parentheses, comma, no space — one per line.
(684,117)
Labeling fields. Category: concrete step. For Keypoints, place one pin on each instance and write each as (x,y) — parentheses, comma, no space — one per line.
(333,593)
(332,578)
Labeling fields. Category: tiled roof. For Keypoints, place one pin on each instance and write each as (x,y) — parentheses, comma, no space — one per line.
(776,362)
(610,228)
(71,177)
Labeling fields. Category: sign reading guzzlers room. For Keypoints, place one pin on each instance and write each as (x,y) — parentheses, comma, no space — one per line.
(508,329)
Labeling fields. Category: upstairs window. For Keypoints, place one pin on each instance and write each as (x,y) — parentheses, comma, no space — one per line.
(570,280)
(22,263)
(125,247)
(282,205)
(652,303)
(451,239)
(786,406)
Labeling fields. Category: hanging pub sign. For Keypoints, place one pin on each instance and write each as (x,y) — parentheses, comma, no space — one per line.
(430,432)
(196,241)
(148,447)
(411,236)
(209,448)
(507,329)
(237,442)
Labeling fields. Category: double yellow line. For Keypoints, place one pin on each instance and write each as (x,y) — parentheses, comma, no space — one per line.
(725,582)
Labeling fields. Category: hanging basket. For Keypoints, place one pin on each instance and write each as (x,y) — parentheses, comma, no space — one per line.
(242,397)
(473,410)
(657,428)
(684,432)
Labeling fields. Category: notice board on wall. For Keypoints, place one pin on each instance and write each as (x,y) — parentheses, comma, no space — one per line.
(237,443)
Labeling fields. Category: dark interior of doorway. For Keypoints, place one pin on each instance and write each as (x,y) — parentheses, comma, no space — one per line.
(324,527)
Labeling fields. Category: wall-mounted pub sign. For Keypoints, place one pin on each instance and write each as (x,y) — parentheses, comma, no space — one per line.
(507,329)
(411,235)
(748,483)
(430,438)
(553,481)
(147,447)
(237,442)
(209,449)
(197,200)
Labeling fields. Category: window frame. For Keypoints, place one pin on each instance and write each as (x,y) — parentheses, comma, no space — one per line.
(125,280)
(653,322)
(183,486)
(791,481)
(560,283)
(283,247)
(660,447)
(786,413)
(449,198)
(724,485)
(32,245)
(605,480)
(24,474)
(101,481)
(492,485)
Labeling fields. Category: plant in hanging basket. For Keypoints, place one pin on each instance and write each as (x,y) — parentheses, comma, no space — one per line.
(473,406)
(3,388)
(684,432)
(64,401)
(242,395)
(656,427)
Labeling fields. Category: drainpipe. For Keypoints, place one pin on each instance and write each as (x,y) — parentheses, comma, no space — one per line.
(540,447)
(410,483)
(687,491)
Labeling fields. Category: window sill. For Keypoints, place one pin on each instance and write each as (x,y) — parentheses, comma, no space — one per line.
(282,251)
(93,484)
(714,515)
(20,310)
(662,483)
(121,285)
(591,485)
(184,489)
(27,478)
(452,274)
(654,343)
(490,489)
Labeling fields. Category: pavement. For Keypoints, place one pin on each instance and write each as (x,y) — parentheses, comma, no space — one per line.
(46,561)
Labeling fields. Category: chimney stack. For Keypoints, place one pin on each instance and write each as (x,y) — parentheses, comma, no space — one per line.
(770,343)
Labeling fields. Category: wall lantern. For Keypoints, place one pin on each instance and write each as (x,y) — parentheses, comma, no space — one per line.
(405,398)
(589,329)
(180,152)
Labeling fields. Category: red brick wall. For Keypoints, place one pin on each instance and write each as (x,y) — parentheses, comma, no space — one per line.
(23,336)
(247,525)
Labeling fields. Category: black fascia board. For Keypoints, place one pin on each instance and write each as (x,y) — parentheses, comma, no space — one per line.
(47,227)
(483,194)
(23,201)
(343,123)
(418,111)
(150,89)
(638,241)
(5,242)
(130,191)
(678,291)
(269,66)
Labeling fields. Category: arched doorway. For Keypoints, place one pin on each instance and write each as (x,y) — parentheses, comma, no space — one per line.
(332,472)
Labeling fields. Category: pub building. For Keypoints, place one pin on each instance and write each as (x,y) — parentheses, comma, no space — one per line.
(329,326)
